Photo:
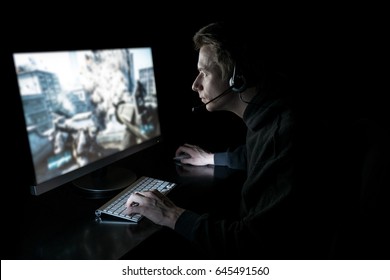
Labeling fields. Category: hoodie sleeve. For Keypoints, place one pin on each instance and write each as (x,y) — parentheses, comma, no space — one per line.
(235,159)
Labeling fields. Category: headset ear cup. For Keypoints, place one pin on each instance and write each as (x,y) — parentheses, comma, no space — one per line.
(237,83)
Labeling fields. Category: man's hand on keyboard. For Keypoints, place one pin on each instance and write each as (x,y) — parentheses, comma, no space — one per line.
(155,206)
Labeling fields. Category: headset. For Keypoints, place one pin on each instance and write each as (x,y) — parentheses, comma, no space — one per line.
(237,82)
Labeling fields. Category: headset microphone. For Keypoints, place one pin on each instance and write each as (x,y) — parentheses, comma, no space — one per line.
(237,84)
(194,109)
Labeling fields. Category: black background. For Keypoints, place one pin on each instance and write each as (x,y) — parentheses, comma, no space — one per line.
(336,56)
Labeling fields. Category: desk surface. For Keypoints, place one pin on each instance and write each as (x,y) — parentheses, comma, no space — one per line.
(60,224)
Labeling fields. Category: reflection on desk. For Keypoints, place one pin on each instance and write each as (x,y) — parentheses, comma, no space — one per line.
(94,240)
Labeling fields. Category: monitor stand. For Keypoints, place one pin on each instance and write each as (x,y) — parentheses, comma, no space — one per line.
(105,182)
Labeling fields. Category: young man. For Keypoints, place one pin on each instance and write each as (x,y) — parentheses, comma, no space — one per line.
(234,76)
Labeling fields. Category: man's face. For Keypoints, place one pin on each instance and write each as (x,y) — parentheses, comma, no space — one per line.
(209,83)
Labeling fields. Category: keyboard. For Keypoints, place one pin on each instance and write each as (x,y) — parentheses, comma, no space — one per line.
(115,207)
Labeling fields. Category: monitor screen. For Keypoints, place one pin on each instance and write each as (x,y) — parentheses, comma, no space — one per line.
(86,109)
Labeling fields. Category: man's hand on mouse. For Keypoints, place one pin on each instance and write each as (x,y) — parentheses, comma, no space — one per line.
(194,155)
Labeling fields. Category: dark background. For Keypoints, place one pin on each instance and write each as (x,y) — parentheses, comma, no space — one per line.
(335,56)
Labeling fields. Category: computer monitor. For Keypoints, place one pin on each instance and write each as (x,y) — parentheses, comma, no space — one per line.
(84,110)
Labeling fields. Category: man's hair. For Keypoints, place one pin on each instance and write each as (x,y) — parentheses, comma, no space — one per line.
(234,47)
(258,53)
